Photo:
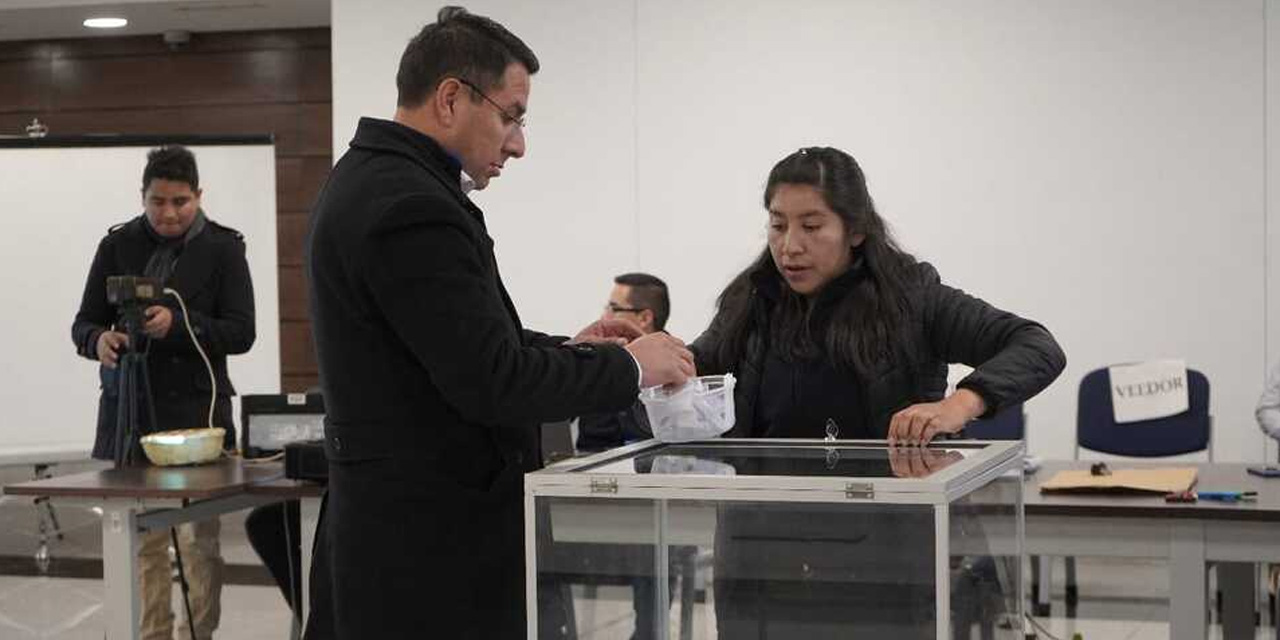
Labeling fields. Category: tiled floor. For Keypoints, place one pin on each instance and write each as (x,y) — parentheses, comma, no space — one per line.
(1124,601)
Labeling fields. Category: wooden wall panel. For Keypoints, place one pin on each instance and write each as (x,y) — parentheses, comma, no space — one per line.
(306,175)
(154,45)
(300,129)
(296,344)
(273,82)
(291,235)
(293,294)
(234,77)
(24,84)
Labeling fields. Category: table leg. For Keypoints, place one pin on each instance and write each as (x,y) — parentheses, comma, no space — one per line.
(1044,587)
(1188,602)
(309,511)
(1236,584)
(120,571)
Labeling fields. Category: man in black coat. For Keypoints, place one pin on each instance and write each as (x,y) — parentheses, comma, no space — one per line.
(203,261)
(433,388)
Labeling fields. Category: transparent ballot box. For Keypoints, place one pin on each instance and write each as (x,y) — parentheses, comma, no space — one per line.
(777,539)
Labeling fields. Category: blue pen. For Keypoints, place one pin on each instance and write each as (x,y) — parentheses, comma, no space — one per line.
(1227,496)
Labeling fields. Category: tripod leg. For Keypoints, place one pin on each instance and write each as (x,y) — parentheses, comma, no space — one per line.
(131,403)
(144,396)
(182,579)
(122,410)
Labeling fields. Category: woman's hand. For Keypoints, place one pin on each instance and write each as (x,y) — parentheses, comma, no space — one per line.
(915,462)
(920,423)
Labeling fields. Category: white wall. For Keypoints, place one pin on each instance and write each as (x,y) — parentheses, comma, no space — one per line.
(563,218)
(1098,166)
(1272,189)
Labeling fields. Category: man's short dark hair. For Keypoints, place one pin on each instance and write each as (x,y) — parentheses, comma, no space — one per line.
(459,45)
(648,292)
(173,162)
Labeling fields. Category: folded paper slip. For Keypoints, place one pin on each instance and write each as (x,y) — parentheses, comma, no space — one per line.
(1160,481)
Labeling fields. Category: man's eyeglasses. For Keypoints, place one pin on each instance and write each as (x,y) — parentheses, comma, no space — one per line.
(507,118)
(617,308)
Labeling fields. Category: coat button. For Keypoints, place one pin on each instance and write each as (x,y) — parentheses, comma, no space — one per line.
(337,443)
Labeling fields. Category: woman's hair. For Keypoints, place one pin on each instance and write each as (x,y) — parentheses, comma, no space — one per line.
(868,325)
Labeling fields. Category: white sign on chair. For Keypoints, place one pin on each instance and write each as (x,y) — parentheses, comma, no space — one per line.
(1148,390)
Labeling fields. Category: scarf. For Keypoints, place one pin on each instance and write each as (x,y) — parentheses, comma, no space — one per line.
(165,256)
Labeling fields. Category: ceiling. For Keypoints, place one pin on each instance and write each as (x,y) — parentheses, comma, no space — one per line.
(50,19)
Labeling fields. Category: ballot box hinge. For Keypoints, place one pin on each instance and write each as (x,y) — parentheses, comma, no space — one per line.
(604,485)
(859,491)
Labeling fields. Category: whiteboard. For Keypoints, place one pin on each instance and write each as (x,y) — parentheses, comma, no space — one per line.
(56,204)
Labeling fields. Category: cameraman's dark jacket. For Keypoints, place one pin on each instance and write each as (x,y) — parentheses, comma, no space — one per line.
(213,277)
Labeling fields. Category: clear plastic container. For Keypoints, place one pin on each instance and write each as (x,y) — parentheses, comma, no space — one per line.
(699,409)
(690,465)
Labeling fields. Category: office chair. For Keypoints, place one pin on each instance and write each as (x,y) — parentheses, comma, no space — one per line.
(1009,424)
(557,441)
(1097,430)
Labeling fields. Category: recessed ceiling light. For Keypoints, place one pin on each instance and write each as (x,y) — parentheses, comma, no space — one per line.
(105,23)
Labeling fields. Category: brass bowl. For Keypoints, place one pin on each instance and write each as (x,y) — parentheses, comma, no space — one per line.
(183,446)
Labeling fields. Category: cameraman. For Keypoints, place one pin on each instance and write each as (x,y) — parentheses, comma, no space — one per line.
(174,243)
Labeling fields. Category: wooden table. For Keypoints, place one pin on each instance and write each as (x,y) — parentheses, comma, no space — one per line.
(139,499)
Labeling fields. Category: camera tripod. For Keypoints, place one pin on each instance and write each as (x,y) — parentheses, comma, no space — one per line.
(134,396)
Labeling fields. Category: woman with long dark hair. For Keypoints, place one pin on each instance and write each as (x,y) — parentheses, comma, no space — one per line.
(834,324)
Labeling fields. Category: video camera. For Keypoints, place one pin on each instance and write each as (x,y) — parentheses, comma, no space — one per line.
(135,413)
(132,295)
(124,290)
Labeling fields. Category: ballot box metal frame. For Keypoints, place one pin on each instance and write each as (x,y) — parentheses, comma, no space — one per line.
(593,477)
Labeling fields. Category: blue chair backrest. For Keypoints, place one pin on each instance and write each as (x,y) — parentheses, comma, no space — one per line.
(1096,427)
(1009,424)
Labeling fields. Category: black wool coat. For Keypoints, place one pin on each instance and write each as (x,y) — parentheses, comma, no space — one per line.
(212,275)
(434,391)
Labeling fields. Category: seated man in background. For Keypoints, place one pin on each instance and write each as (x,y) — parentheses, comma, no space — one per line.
(642,299)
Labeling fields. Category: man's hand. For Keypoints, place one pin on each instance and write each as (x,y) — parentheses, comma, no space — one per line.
(663,359)
(920,423)
(613,331)
(109,343)
(159,320)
